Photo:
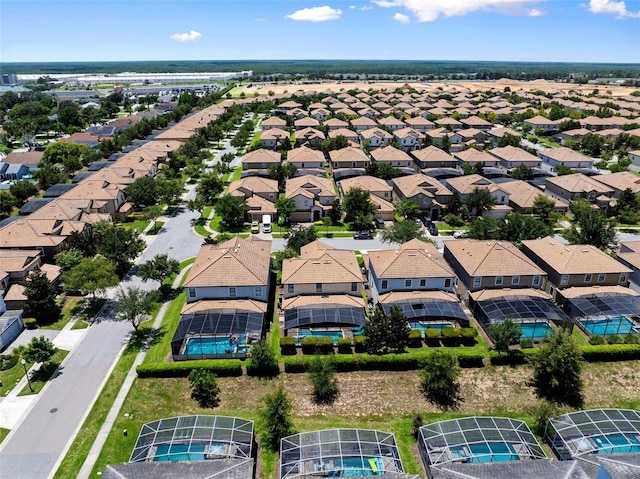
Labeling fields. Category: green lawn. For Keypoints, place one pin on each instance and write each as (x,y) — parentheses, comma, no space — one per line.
(161,347)
(42,376)
(156,228)
(10,377)
(71,306)
(138,225)
(4,433)
(89,313)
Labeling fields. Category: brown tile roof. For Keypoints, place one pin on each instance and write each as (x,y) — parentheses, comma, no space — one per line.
(405,296)
(262,156)
(17,260)
(274,134)
(304,155)
(236,262)
(217,304)
(512,153)
(580,291)
(523,195)
(411,185)
(255,184)
(312,248)
(389,153)
(322,266)
(24,157)
(485,294)
(348,154)
(365,182)
(15,293)
(579,183)
(473,155)
(491,258)
(432,153)
(620,181)
(574,259)
(415,259)
(466,184)
(329,300)
(565,154)
(275,121)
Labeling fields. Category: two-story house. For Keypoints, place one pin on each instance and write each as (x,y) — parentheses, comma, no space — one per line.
(313,195)
(433,157)
(307,161)
(427,192)
(578,186)
(259,161)
(465,185)
(565,157)
(395,158)
(349,159)
(375,137)
(259,193)
(273,138)
(409,138)
(511,157)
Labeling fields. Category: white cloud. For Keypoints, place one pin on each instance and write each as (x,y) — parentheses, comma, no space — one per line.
(191,36)
(366,8)
(429,11)
(610,6)
(352,7)
(315,14)
(399,17)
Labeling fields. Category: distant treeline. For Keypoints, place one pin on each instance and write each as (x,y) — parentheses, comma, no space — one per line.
(327,68)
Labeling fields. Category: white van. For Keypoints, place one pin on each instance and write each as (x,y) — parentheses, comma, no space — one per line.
(266,223)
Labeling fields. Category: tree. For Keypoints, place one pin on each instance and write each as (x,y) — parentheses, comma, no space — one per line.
(387,333)
(505,334)
(484,228)
(298,237)
(628,201)
(94,275)
(142,192)
(197,204)
(263,362)
(69,258)
(285,207)
(232,209)
(509,140)
(562,170)
(335,213)
(384,171)
(134,305)
(152,213)
(592,228)
(446,144)
(69,155)
(580,207)
(158,268)
(117,244)
(281,172)
(49,175)
(7,203)
(480,201)
(41,298)
(204,388)
(454,205)
(210,187)
(439,380)
(356,202)
(275,419)
(398,332)
(401,232)
(556,370)
(543,208)
(168,191)
(519,228)
(408,208)
(522,172)
(39,350)
(22,190)
(592,144)
(322,376)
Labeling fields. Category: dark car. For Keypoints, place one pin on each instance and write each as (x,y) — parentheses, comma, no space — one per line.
(363,235)
(433,229)
(379,223)
(426,220)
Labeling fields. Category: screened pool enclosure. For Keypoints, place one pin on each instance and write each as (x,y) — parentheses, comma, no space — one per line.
(606,313)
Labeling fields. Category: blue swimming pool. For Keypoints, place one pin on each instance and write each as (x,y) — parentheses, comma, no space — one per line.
(180,452)
(604,327)
(487,452)
(535,330)
(424,325)
(360,466)
(216,345)
(310,333)
(616,443)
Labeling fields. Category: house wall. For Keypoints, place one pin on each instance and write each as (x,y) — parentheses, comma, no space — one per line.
(195,294)
(635,158)
(398,284)
(308,164)
(11,332)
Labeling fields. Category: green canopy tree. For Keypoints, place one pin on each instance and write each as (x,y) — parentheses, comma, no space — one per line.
(300,236)
(384,171)
(94,275)
(142,192)
(592,228)
(285,208)
(7,203)
(39,350)
(408,208)
(401,232)
(209,187)
(134,305)
(480,201)
(505,334)
(357,202)
(117,244)
(41,298)
(69,258)
(22,190)
(543,208)
(232,209)
(276,419)
(439,380)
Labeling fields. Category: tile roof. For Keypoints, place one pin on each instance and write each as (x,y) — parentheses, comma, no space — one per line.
(329,300)
(486,294)
(236,262)
(523,195)
(402,296)
(414,259)
(365,182)
(304,154)
(322,266)
(262,155)
(348,154)
(579,183)
(573,259)
(432,153)
(466,184)
(579,291)
(620,181)
(308,182)
(217,304)
(563,154)
(491,258)
(512,153)
(389,153)
(411,185)
(473,155)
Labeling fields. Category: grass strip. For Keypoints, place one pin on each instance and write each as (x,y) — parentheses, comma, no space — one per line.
(42,375)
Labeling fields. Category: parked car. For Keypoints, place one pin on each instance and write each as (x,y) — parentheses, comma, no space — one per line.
(426,220)
(433,229)
(460,234)
(379,223)
(363,235)
(255,227)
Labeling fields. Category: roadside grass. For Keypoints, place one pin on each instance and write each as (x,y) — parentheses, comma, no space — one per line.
(216,226)
(72,305)
(207,211)
(42,376)
(89,313)
(235,176)
(10,377)
(4,433)
(159,351)
(156,228)
(138,225)
(200,229)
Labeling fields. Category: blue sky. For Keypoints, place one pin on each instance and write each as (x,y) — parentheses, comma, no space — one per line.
(493,30)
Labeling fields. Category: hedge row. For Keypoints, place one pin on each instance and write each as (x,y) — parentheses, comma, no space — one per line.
(611,352)
(371,362)
(179,369)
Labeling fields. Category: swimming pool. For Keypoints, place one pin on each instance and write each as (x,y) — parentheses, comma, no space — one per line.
(487,452)
(604,327)
(180,452)
(535,330)
(360,466)
(424,325)
(215,345)
(309,333)
(615,443)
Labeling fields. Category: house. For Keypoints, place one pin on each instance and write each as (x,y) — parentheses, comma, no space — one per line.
(634,156)
(474,157)
(394,157)
(363,123)
(288,106)
(273,122)
(273,138)
(109,197)
(572,135)
(449,124)
(47,236)
(392,123)
(380,194)
(420,124)
(427,192)
(260,160)
(580,268)
(304,123)
(433,157)
(456,142)
(619,182)
(541,123)
(480,264)
(350,158)
(477,123)
(576,186)
(13,171)
(565,157)
(320,114)
(414,266)
(409,138)
(522,197)
(512,157)
(494,135)
(246,264)
(465,185)
(473,137)
(260,195)
(313,195)
(29,158)
(351,136)
(17,264)
(628,254)
(309,136)
(11,324)
(375,137)
(335,124)
(307,161)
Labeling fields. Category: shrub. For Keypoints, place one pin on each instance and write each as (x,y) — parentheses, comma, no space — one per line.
(415,338)
(30,323)
(596,340)
(439,382)
(275,419)
(451,336)
(204,388)
(513,358)
(416,423)
(344,346)
(182,369)
(317,345)
(470,360)
(322,376)
(432,336)
(39,350)
(263,362)
(614,339)
(7,361)
(288,346)
(542,413)
(631,339)
(612,352)
(468,336)
(526,343)
(360,342)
